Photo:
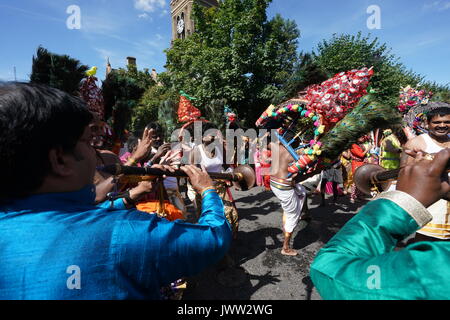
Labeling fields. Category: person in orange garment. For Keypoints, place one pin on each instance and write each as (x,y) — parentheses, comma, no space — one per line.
(266,163)
(358,153)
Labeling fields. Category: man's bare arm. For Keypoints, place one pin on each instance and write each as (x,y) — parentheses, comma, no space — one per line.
(415,144)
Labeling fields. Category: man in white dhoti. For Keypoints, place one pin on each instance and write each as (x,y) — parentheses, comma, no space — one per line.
(292,196)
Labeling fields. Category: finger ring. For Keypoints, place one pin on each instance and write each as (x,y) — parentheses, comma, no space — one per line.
(429,157)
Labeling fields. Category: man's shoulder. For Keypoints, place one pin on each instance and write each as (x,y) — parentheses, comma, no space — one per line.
(416,142)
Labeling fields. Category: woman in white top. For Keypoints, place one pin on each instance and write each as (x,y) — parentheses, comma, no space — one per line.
(210,156)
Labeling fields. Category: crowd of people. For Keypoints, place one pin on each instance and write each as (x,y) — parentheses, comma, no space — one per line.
(135,238)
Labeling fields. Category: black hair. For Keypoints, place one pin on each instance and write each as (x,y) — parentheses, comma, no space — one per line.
(208,126)
(155,126)
(233,126)
(132,143)
(33,120)
(439,109)
(272,124)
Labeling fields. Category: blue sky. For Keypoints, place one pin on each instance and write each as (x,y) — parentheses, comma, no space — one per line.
(418,31)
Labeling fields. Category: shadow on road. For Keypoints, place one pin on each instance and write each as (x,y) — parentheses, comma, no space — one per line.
(252,214)
(249,245)
(259,268)
(326,222)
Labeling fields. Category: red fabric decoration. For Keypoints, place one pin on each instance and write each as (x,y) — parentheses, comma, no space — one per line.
(92,95)
(335,97)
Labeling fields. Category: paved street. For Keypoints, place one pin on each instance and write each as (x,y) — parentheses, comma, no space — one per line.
(261,272)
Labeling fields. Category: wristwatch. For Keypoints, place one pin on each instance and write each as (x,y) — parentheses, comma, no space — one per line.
(127,197)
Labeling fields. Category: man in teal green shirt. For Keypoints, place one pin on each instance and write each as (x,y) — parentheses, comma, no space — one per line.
(360,261)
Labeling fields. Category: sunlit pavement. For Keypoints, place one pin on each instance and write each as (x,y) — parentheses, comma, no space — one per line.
(260,271)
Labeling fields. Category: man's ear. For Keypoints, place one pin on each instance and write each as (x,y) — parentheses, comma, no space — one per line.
(60,162)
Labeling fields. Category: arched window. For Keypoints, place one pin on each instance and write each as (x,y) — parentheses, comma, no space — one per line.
(183,33)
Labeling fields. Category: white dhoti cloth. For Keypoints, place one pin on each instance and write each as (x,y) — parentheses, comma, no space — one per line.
(291,199)
(439,227)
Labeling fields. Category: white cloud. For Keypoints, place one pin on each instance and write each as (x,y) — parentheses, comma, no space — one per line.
(149,5)
(101,25)
(158,44)
(144,51)
(445,6)
(33,14)
(104,53)
(143,16)
(437,5)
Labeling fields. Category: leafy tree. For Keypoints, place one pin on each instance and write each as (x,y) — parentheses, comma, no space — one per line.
(236,55)
(122,90)
(440,92)
(58,71)
(154,106)
(306,73)
(167,117)
(346,52)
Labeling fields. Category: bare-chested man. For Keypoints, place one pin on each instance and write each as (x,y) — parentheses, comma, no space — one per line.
(292,196)
(437,139)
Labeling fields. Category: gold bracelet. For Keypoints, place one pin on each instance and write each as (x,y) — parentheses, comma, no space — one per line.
(206,189)
(133,161)
(208,192)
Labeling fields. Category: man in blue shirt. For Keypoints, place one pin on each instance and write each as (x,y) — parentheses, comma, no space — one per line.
(54,242)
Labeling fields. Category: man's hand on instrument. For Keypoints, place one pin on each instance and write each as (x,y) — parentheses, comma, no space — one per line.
(163,167)
(426,179)
(200,179)
(136,193)
(141,189)
(145,187)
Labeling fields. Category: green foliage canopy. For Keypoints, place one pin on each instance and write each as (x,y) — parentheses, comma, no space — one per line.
(306,72)
(57,71)
(236,55)
(158,103)
(122,90)
(346,52)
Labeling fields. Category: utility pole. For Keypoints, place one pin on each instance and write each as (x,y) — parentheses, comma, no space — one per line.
(15,77)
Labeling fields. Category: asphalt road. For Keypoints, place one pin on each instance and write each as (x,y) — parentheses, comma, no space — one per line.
(260,271)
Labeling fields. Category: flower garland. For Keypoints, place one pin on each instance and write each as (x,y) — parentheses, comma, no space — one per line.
(326,104)
(411,97)
(337,96)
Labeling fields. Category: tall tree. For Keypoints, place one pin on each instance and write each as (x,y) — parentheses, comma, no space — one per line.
(158,103)
(122,90)
(440,92)
(236,55)
(346,52)
(58,71)
(306,72)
